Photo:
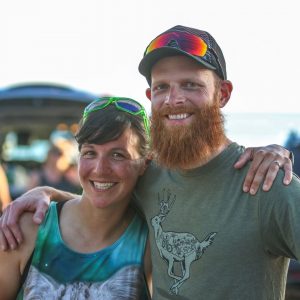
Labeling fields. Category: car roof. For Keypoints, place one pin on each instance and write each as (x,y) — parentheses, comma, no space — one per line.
(38,108)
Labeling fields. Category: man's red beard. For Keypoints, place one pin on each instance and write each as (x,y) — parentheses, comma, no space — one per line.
(185,147)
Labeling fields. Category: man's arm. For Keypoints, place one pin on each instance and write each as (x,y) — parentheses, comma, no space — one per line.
(266,161)
(37,201)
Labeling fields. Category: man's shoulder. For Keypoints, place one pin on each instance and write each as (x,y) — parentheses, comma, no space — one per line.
(152,172)
(281,197)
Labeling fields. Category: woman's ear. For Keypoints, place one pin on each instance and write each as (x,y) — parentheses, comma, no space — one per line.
(225,92)
(148,93)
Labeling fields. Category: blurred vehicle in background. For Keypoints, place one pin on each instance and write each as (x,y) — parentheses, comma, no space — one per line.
(32,118)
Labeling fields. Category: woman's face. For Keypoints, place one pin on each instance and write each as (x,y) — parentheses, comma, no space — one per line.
(109,172)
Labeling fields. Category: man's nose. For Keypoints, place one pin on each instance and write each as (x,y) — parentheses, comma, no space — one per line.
(175,96)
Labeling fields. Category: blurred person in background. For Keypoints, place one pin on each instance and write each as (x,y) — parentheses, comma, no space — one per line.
(71,175)
(5,197)
(293,144)
(56,172)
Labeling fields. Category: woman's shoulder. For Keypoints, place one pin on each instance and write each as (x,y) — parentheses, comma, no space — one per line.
(29,230)
(26,223)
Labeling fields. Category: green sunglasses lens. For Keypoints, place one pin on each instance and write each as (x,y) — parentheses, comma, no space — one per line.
(125,104)
(95,105)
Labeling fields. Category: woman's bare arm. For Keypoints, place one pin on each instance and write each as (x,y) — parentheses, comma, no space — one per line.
(12,263)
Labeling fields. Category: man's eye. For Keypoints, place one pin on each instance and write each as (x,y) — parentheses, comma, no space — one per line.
(118,156)
(159,87)
(190,85)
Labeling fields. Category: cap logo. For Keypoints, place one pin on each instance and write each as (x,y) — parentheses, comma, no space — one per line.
(173,44)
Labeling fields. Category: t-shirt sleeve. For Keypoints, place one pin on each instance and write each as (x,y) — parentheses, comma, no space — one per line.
(280,219)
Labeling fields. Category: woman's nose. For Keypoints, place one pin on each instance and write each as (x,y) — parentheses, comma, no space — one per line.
(103,166)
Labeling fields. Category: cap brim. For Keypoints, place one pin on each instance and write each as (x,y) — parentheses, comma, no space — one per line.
(153,57)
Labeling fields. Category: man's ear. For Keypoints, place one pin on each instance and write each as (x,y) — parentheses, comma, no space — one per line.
(225,92)
(148,93)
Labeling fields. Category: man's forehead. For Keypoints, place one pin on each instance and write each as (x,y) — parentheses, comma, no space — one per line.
(173,62)
(176,66)
(180,59)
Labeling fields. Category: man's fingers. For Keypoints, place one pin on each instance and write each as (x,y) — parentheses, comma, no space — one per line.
(253,176)
(268,170)
(6,230)
(272,171)
(11,241)
(277,163)
(3,242)
(38,217)
(11,221)
(40,212)
(288,171)
(11,235)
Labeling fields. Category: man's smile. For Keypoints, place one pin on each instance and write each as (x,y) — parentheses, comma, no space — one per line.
(178,116)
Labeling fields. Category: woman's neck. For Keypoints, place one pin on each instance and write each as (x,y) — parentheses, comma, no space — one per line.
(85,228)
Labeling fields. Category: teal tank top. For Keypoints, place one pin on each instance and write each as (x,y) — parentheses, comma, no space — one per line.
(57,272)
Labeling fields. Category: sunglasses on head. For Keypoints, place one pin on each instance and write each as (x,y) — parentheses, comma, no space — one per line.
(124,104)
(186,42)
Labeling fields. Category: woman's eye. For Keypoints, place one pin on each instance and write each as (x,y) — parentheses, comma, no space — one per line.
(87,154)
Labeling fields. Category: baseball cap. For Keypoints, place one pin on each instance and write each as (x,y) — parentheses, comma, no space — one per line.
(181,40)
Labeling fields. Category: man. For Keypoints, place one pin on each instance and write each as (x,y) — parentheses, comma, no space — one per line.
(195,207)
(208,239)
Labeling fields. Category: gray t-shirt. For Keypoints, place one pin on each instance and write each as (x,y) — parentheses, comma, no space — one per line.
(210,240)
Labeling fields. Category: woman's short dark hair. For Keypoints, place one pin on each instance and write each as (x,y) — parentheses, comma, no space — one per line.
(108,124)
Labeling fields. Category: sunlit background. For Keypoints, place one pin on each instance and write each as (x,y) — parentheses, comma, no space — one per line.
(96,46)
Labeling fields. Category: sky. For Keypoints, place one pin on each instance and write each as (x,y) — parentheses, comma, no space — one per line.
(96,45)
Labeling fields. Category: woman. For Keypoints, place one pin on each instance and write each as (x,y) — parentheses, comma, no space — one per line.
(92,247)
